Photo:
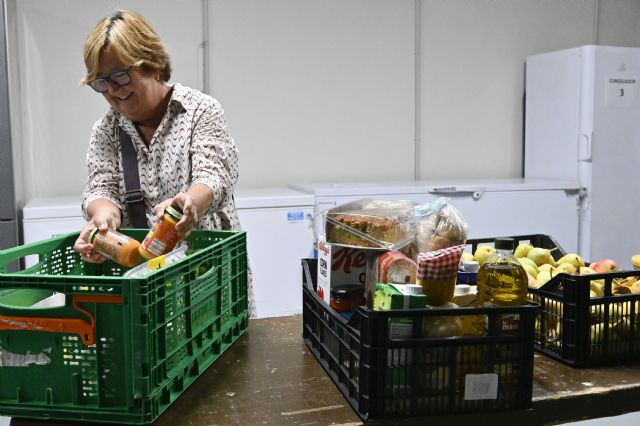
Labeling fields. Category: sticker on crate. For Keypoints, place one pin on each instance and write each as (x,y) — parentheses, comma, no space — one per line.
(338,266)
(480,386)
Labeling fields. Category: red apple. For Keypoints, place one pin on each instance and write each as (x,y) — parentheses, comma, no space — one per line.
(604,265)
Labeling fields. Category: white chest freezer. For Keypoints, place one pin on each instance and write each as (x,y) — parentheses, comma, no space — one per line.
(492,208)
(279,229)
(43,218)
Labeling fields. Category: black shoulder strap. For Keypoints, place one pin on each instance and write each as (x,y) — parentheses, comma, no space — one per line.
(133,194)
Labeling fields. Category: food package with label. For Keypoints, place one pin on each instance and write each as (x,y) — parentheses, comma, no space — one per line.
(398,296)
(395,267)
(379,224)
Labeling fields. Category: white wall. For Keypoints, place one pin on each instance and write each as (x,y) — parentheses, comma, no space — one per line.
(52,114)
(314,90)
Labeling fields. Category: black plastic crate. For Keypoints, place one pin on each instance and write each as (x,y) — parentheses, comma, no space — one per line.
(577,329)
(384,377)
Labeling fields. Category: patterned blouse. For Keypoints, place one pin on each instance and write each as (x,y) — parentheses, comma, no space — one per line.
(190,146)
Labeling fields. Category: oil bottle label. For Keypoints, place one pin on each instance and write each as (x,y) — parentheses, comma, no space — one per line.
(509,324)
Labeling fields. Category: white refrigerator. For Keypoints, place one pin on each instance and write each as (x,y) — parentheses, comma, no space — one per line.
(491,207)
(582,121)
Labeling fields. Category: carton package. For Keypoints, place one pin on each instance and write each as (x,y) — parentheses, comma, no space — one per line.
(338,265)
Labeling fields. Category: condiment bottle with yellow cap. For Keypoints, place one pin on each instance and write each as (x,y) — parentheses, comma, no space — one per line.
(115,246)
(162,236)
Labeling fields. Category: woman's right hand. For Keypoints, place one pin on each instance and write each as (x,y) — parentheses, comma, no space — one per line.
(103,220)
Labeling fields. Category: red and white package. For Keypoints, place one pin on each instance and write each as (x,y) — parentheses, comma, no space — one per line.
(394,267)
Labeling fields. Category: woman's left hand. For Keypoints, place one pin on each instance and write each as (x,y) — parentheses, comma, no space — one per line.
(185,203)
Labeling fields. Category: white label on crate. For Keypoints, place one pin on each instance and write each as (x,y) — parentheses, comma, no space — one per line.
(480,386)
(400,330)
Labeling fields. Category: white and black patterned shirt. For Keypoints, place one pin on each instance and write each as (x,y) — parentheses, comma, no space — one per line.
(190,146)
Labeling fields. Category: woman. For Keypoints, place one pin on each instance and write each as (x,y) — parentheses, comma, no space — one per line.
(185,155)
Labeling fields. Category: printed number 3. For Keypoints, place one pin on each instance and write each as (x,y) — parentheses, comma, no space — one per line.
(621,92)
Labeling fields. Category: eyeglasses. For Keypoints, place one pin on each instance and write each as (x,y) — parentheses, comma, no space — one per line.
(119,78)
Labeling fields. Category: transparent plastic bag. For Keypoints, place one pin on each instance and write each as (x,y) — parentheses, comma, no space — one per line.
(380,224)
(152,265)
(441,225)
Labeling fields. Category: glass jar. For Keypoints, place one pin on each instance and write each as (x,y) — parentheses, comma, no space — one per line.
(115,246)
(162,236)
(346,298)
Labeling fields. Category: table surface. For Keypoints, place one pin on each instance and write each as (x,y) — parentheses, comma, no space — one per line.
(269,377)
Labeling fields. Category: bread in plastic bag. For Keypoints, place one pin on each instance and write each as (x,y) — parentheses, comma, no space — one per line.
(381,224)
(444,227)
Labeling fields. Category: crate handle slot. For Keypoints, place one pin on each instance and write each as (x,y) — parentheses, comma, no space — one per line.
(85,329)
(204,274)
(37,248)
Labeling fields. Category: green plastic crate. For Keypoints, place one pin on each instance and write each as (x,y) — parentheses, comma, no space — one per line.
(118,349)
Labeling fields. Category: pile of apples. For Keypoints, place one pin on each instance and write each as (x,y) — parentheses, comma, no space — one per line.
(540,266)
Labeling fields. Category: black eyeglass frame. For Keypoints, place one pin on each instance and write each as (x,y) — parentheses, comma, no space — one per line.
(110,79)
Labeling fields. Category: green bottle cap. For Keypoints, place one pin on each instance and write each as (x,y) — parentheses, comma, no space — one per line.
(174,212)
(92,234)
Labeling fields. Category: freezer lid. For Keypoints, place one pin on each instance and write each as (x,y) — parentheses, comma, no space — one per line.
(500,185)
(436,186)
(52,207)
(360,189)
(255,198)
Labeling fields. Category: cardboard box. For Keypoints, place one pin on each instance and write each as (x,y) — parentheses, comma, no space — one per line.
(396,296)
(339,265)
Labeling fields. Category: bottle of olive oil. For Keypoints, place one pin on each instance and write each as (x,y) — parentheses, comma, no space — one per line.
(502,281)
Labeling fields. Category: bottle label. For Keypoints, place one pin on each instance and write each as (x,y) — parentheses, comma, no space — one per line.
(106,246)
(509,324)
(159,240)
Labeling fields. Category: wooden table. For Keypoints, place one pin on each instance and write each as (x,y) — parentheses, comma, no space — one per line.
(268,377)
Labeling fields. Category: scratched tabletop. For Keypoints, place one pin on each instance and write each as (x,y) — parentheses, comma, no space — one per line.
(268,377)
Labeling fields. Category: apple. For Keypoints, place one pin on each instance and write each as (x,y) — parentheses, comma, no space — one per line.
(482,253)
(604,265)
(531,280)
(467,256)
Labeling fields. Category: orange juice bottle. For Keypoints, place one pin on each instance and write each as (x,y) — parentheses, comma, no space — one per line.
(162,236)
(115,246)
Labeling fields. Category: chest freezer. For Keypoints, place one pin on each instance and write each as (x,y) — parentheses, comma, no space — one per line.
(279,229)
(43,218)
(491,207)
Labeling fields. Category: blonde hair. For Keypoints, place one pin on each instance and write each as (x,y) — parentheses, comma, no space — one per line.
(131,40)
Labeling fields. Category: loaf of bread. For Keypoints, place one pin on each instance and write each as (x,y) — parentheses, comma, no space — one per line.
(395,267)
(445,229)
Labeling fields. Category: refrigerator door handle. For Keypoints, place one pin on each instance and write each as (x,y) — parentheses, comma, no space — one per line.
(584,146)
(475,191)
